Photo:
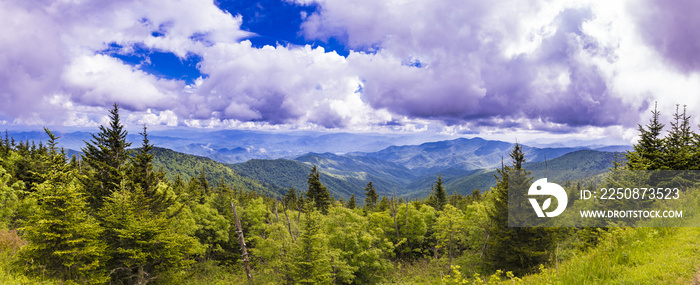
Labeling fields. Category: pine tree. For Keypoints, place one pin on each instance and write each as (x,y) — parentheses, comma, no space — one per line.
(318,193)
(352,203)
(383,204)
(312,265)
(57,162)
(144,244)
(64,240)
(678,142)
(141,171)
(438,198)
(372,197)
(106,154)
(290,200)
(513,249)
(647,153)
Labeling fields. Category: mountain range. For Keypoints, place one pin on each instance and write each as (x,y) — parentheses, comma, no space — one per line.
(273,163)
(463,164)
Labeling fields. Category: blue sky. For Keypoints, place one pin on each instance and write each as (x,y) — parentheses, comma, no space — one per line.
(501,69)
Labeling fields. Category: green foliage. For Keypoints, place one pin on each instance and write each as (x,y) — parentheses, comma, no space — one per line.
(438,198)
(63,238)
(106,155)
(631,256)
(352,203)
(318,193)
(371,196)
(359,249)
(290,200)
(9,197)
(450,230)
(187,166)
(144,244)
(141,168)
(519,250)
(311,260)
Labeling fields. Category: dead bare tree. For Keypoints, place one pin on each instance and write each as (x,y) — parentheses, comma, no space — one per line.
(241,240)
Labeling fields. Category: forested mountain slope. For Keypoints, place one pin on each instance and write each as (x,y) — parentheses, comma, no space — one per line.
(187,166)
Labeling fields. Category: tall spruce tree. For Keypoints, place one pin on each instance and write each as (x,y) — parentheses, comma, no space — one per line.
(290,199)
(311,263)
(438,197)
(372,197)
(64,239)
(677,147)
(352,203)
(141,171)
(144,244)
(318,193)
(106,155)
(647,153)
(519,250)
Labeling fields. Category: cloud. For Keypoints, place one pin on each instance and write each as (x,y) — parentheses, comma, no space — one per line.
(476,60)
(671,28)
(279,85)
(554,66)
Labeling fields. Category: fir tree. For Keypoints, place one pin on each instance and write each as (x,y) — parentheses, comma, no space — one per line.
(372,197)
(439,198)
(678,142)
(141,171)
(383,204)
(318,193)
(312,264)
(106,154)
(514,249)
(290,200)
(144,244)
(64,240)
(352,203)
(647,153)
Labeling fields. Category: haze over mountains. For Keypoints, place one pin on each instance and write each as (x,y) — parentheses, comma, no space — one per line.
(347,161)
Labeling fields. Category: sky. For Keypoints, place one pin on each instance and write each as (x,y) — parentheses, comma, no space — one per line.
(500,68)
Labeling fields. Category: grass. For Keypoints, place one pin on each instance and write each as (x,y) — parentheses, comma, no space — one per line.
(631,256)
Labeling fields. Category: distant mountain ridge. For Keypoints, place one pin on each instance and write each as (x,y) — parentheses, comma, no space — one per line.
(462,153)
(235,146)
(465,164)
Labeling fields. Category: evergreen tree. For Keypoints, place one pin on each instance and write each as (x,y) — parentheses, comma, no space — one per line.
(57,160)
(514,249)
(143,244)
(106,154)
(438,197)
(141,171)
(352,203)
(64,240)
(383,204)
(318,193)
(372,197)
(677,146)
(647,153)
(312,265)
(290,200)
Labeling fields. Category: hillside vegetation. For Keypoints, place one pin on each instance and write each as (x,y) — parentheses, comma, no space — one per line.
(188,166)
(114,219)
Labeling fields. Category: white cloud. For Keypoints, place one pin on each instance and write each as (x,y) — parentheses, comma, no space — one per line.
(468,66)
